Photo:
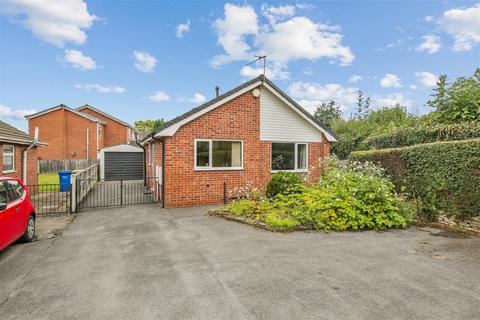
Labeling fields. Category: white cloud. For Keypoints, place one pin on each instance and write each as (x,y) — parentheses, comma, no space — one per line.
(159,96)
(239,22)
(271,73)
(379,101)
(198,98)
(311,95)
(53,21)
(430,43)
(275,14)
(428,19)
(8,113)
(183,28)
(282,41)
(413,87)
(144,62)
(100,88)
(355,78)
(390,45)
(464,25)
(308,71)
(426,78)
(306,40)
(390,81)
(78,60)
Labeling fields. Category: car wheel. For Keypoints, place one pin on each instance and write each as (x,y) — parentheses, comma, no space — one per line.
(29,230)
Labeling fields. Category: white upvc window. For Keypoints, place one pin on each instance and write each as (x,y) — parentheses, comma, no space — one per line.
(8,158)
(289,156)
(216,154)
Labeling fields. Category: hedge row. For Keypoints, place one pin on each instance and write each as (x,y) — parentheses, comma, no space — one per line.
(442,176)
(422,134)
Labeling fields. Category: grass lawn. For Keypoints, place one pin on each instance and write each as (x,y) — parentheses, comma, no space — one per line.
(48,178)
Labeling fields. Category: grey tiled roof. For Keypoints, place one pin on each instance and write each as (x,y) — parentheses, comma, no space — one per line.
(14,135)
(233,91)
(86,115)
(104,114)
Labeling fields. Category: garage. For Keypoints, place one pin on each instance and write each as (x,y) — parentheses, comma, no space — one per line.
(121,162)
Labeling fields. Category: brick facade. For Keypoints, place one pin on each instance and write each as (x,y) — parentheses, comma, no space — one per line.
(32,168)
(66,134)
(115,132)
(238,119)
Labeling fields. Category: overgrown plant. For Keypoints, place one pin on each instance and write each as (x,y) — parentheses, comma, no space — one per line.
(283,183)
(350,196)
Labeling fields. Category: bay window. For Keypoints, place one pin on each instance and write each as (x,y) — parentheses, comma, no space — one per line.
(289,156)
(8,158)
(218,154)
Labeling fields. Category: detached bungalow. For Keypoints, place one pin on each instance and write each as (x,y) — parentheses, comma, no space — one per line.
(18,154)
(234,143)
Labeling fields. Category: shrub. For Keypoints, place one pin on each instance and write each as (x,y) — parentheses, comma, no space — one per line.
(280,222)
(441,176)
(283,183)
(422,134)
(351,195)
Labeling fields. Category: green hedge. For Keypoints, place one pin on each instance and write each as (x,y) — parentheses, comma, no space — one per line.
(441,176)
(422,134)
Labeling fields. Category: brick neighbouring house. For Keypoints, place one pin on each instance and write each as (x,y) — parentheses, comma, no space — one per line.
(228,142)
(76,134)
(18,154)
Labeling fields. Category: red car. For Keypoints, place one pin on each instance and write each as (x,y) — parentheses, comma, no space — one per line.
(17,214)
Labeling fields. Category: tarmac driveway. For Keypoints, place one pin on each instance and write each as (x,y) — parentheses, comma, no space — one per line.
(141,262)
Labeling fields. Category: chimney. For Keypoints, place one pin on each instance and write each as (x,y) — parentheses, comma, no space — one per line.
(217,91)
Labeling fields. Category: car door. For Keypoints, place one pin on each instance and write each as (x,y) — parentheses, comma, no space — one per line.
(8,225)
(16,201)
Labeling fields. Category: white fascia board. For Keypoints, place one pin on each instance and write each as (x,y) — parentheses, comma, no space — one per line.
(170,131)
(288,103)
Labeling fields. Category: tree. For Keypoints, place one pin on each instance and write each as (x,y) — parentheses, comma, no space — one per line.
(458,101)
(363,105)
(328,113)
(148,125)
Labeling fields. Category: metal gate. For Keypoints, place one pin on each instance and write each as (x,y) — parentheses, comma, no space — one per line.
(117,193)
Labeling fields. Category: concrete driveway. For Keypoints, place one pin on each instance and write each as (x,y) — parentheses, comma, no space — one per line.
(141,262)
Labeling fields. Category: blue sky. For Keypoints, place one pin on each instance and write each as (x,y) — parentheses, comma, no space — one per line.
(150,59)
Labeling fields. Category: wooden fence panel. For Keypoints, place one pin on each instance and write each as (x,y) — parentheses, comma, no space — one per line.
(49,166)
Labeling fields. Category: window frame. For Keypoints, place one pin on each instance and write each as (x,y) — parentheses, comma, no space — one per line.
(295,156)
(210,152)
(13,158)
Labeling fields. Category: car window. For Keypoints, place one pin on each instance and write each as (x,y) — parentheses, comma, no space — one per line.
(3,194)
(17,189)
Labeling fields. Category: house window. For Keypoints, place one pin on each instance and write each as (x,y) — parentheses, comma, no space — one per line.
(289,156)
(8,158)
(218,154)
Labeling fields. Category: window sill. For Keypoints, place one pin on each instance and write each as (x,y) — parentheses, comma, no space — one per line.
(219,169)
(9,171)
(297,171)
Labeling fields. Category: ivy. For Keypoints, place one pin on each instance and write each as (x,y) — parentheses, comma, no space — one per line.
(440,176)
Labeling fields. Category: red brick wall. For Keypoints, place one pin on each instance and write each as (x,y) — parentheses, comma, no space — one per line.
(115,132)
(238,119)
(51,130)
(66,135)
(31,164)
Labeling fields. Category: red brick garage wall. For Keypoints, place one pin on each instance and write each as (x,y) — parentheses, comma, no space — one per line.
(238,119)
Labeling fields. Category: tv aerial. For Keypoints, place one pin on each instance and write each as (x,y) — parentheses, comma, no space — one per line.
(264,58)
